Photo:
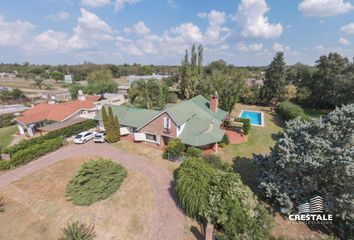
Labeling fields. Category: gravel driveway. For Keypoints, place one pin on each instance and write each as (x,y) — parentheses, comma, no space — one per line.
(168,221)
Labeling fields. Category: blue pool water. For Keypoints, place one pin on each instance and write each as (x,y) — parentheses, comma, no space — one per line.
(254,117)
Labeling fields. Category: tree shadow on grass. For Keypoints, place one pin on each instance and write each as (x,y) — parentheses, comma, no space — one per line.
(196,233)
(247,170)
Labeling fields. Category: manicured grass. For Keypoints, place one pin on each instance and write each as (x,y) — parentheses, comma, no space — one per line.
(6,135)
(95,181)
(259,141)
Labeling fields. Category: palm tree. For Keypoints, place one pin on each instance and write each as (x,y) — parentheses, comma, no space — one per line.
(146,94)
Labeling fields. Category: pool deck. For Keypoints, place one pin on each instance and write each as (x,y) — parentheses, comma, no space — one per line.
(262,116)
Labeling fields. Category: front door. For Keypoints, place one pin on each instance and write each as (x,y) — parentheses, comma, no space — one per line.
(165,140)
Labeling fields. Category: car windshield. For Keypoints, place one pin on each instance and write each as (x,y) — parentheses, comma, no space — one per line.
(78,136)
(99,135)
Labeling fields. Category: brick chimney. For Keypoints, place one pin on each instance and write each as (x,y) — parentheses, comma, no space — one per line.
(214,102)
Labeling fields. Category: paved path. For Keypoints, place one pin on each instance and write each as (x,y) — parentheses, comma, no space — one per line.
(168,220)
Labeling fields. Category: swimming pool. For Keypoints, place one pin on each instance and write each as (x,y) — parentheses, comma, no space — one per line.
(256,118)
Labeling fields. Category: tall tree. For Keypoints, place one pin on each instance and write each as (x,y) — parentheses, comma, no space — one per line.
(328,71)
(314,158)
(200,59)
(98,80)
(105,120)
(117,127)
(191,72)
(275,80)
(149,94)
(111,130)
(194,60)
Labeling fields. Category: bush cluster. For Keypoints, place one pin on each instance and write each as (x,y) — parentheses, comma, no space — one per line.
(4,165)
(65,132)
(289,111)
(95,181)
(175,148)
(194,152)
(35,151)
(78,231)
(246,125)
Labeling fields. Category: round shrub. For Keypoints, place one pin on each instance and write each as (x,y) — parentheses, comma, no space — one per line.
(194,152)
(78,231)
(95,181)
(176,147)
(289,111)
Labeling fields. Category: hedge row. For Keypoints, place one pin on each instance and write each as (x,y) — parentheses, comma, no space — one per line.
(35,151)
(289,111)
(65,132)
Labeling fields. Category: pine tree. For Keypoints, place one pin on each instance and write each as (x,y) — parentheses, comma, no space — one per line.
(111,136)
(105,119)
(117,128)
(275,80)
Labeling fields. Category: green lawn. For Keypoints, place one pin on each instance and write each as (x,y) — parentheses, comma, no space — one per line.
(260,140)
(6,135)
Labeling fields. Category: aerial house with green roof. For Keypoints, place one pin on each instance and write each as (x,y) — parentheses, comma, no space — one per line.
(196,122)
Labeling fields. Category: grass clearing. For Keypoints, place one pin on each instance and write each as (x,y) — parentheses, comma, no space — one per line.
(153,154)
(6,135)
(36,206)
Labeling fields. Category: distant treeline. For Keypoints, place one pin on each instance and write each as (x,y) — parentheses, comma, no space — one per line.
(81,71)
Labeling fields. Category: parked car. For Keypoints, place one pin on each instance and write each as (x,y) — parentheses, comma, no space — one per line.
(100,137)
(83,137)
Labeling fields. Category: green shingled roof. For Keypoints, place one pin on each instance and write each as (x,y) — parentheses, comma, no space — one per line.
(198,105)
(201,131)
(130,117)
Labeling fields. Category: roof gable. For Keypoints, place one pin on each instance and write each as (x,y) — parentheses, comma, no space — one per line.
(198,105)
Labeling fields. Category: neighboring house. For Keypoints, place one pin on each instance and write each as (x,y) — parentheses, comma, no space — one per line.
(59,95)
(46,117)
(110,99)
(196,122)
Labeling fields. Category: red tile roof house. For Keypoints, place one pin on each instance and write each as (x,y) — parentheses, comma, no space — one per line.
(50,117)
(197,122)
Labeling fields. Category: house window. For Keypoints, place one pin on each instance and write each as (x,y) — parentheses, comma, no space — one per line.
(166,123)
(151,137)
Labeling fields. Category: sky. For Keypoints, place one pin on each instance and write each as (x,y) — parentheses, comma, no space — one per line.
(241,32)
